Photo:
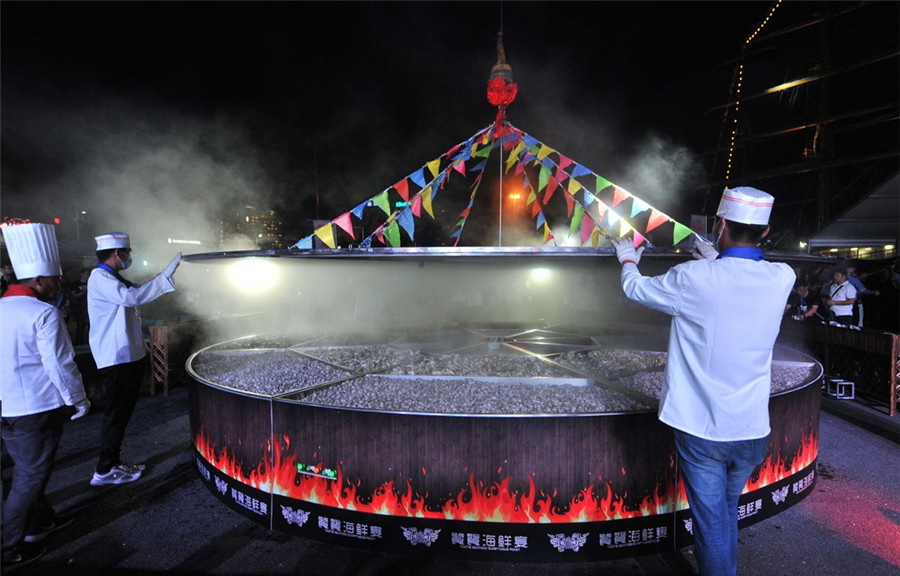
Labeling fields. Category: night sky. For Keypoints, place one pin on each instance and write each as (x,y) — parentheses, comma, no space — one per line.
(155,117)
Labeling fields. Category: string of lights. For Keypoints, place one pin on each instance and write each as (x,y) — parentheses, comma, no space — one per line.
(737,87)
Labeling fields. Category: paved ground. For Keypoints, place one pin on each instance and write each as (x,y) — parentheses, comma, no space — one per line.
(169,522)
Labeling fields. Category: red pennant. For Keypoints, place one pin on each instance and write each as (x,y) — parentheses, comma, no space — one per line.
(560,175)
(571,202)
(619,195)
(552,185)
(402,188)
(564,162)
(656,218)
(345,224)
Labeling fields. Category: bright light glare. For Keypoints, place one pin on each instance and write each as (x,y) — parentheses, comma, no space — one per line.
(540,274)
(253,275)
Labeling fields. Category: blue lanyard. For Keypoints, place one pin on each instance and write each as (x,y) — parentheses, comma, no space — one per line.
(116,274)
(748,252)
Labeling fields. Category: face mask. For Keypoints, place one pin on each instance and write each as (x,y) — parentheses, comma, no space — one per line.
(721,226)
(126,263)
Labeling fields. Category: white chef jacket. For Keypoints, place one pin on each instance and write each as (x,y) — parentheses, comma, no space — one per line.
(115,333)
(726,314)
(37,362)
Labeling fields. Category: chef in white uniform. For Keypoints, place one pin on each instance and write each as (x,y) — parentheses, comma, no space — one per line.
(726,313)
(38,380)
(117,345)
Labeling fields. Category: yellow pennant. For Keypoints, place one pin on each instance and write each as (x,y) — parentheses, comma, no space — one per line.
(326,235)
(426,200)
(434,166)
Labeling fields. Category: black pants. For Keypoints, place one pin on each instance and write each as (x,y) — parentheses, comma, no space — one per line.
(122,385)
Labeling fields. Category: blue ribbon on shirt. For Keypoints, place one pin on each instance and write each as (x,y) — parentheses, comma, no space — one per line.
(748,252)
(116,274)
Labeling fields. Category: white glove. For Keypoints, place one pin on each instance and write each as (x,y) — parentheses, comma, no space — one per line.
(625,250)
(81,409)
(173,265)
(704,251)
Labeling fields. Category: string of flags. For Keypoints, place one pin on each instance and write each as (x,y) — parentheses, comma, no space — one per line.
(595,206)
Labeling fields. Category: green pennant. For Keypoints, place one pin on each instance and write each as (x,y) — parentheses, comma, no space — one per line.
(681,232)
(382,202)
(543,178)
(602,183)
(576,219)
(392,233)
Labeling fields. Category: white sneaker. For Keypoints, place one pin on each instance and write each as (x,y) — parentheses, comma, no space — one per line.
(116,475)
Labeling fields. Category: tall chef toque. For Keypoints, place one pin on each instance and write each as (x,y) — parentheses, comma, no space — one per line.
(112,241)
(746,205)
(33,250)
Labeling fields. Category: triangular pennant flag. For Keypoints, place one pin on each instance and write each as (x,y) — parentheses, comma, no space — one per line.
(681,232)
(402,188)
(560,175)
(619,195)
(434,166)
(638,206)
(580,170)
(460,167)
(638,239)
(576,219)
(405,219)
(551,188)
(345,223)
(531,198)
(478,167)
(392,233)
(382,202)
(588,198)
(326,235)
(416,205)
(573,187)
(426,201)
(656,218)
(543,178)
(612,218)
(535,208)
(419,177)
(602,209)
(305,243)
(570,202)
(547,232)
(602,183)
(587,228)
(358,211)
(544,152)
(540,220)
(624,228)
(564,161)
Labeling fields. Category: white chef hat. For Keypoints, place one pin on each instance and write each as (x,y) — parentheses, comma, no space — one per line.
(32,249)
(745,205)
(113,240)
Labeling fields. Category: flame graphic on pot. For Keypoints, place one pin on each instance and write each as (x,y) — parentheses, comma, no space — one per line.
(277,473)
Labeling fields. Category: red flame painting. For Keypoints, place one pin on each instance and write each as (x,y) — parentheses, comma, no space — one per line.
(475,502)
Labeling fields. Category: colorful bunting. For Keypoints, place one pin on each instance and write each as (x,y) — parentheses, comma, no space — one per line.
(524,152)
